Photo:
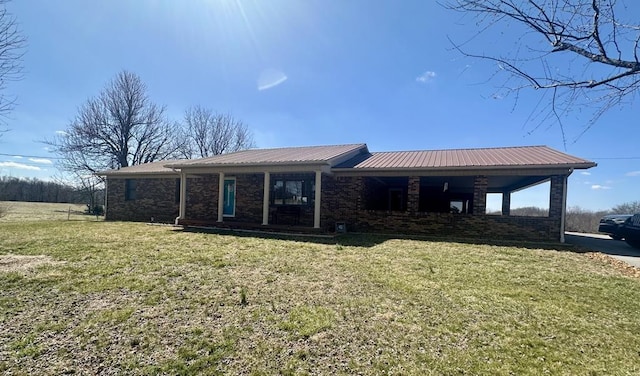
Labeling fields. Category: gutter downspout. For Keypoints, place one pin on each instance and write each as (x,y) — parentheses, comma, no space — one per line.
(183,197)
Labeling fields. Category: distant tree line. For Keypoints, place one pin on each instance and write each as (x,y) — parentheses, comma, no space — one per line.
(35,190)
(578,219)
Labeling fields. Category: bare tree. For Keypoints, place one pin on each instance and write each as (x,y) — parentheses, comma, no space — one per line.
(119,128)
(632,207)
(12,44)
(589,57)
(207,133)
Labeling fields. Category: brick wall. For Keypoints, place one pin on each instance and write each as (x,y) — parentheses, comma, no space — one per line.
(343,200)
(249,195)
(202,198)
(155,198)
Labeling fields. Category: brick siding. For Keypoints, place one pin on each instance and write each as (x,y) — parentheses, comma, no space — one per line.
(343,200)
(155,201)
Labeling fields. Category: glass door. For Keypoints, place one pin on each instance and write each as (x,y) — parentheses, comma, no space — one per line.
(229,205)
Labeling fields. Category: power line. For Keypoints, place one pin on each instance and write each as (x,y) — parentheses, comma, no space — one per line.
(617,158)
(27,163)
(28,156)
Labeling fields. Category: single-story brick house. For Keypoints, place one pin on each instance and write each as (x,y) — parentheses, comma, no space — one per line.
(346,187)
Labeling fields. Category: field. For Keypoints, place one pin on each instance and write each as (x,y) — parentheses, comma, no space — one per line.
(42,211)
(94,297)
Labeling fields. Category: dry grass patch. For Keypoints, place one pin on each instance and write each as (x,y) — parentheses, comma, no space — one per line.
(9,263)
(13,211)
(137,299)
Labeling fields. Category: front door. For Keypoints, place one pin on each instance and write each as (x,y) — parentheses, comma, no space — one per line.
(229,205)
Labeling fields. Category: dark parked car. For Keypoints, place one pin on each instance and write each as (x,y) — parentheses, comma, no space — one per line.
(630,230)
(610,224)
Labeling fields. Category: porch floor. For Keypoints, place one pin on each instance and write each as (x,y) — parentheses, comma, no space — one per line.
(243,226)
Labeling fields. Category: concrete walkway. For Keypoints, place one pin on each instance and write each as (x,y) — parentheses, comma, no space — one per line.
(618,249)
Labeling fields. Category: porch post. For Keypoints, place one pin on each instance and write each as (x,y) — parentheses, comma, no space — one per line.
(318,195)
(480,195)
(506,203)
(183,197)
(221,197)
(413,194)
(265,198)
(558,202)
(564,207)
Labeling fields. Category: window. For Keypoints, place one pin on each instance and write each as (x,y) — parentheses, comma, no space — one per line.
(292,192)
(459,206)
(129,190)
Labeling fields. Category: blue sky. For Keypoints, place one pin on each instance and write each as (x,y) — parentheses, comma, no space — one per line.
(303,73)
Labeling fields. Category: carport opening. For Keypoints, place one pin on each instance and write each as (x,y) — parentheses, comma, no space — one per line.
(446,194)
(532,201)
(386,193)
(494,204)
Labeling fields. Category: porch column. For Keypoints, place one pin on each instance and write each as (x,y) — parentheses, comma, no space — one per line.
(558,202)
(221,197)
(506,203)
(265,198)
(182,212)
(480,195)
(316,210)
(413,194)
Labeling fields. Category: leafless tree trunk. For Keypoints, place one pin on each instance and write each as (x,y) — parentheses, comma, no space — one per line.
(208,133)
(592,54)
(119,128)
(12,44)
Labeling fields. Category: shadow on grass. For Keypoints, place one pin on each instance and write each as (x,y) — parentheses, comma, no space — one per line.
(368,240)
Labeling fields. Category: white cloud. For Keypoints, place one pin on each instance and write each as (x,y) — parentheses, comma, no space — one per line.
(62,133)
(426,77)
(633,173)
(270,78)
(599,187)
(585,173)
(20,166)
(17,157)
(41,160)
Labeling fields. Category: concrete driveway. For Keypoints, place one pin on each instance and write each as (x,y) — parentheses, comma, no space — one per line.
(618,249)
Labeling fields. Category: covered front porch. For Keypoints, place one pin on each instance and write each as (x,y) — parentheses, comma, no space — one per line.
(444,204)
(275,199)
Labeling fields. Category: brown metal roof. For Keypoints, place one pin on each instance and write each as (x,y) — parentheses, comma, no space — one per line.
(362,160)
(152,168)
(291,155)
(508,157)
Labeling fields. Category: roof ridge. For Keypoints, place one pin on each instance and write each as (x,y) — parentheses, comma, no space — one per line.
(297,147)
(463,149)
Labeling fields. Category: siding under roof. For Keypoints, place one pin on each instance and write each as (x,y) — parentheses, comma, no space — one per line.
(507,157)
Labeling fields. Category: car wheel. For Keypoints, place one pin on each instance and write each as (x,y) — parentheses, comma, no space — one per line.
(616,237)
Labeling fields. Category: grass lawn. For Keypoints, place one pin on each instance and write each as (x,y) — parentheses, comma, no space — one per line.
(124,298)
